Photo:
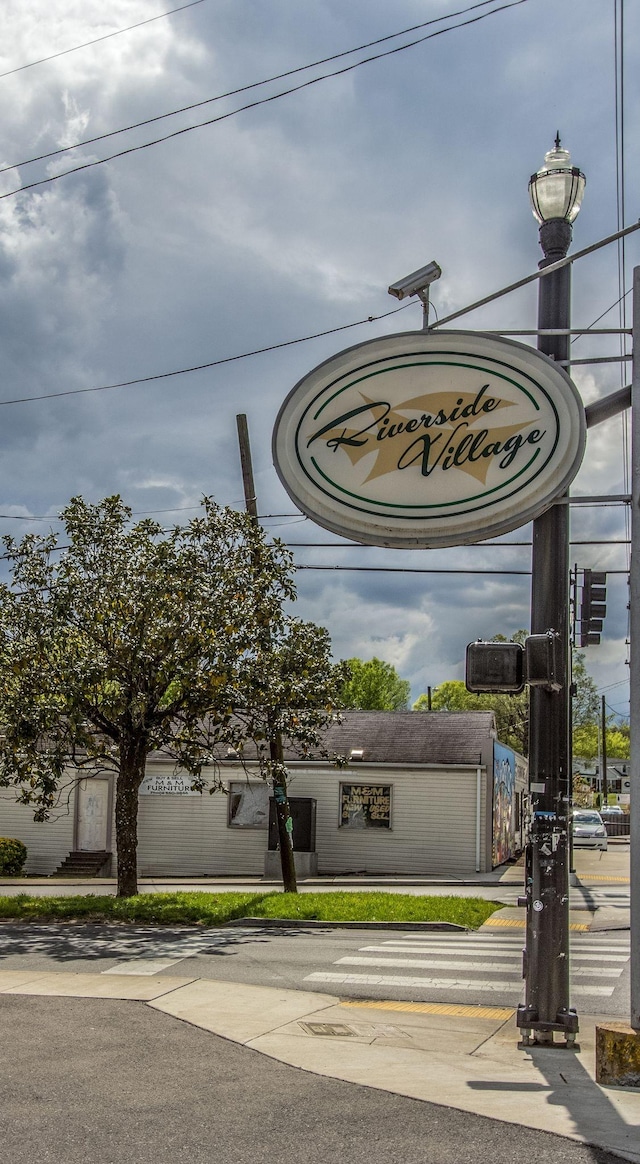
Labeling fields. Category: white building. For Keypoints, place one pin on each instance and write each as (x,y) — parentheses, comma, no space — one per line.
(423,794)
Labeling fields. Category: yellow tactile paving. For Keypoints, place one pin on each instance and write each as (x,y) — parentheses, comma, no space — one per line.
(603,877)
(519,924)
(488,1012)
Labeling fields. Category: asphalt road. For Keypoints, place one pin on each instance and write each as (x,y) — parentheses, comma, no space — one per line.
(101,1082)
(477,968)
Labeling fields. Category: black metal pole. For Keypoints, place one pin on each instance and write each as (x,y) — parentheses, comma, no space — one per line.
(547,1002)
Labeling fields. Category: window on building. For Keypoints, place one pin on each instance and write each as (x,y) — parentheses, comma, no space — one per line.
(248,805)
(365,806)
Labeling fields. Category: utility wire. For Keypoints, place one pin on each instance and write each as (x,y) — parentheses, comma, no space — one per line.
(260,101)
(233,359)
(240,356)
(212,364)
(118,32)
(243,88)
(417,570)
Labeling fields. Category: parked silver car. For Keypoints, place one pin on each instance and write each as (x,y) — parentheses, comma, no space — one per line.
(588,829)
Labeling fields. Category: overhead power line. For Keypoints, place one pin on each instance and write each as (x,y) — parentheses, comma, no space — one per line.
(418,570)
(260,101)
(242,88)
(107,36)
(201,367)
(225,360)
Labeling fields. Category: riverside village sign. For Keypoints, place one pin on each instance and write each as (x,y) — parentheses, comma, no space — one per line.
(428,439)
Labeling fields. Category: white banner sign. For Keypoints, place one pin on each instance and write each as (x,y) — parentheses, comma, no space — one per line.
(179,785)
(429,439)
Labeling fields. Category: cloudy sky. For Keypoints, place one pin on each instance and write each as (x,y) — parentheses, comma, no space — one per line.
(283,220)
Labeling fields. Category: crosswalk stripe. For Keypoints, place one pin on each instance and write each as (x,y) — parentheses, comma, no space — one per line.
(148,966)
(425,964)
(597,971)
(587,942)
(442,964)
(403,981)
(577,947)
(466,951)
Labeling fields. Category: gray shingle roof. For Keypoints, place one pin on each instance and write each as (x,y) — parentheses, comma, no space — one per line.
(411,737)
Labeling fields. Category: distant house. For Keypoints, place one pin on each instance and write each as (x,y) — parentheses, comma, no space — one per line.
(618,779)
(422,794)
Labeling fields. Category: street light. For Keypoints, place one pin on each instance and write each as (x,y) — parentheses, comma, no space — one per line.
(557,189)
(556,192)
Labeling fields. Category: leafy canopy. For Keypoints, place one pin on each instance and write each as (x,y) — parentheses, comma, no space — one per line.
(130,633)
(128,639)
(512,711)
(374,686)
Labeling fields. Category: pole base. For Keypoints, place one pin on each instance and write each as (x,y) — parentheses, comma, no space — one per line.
(539,1033)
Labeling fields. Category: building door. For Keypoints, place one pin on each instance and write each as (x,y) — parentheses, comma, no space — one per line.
(93,815)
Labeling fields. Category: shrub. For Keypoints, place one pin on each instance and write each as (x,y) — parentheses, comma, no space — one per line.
(13,855)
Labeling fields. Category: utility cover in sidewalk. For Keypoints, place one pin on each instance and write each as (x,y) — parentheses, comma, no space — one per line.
(358,1030)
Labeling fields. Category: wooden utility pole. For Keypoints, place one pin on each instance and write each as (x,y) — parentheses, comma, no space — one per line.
(605,782)
(283,812)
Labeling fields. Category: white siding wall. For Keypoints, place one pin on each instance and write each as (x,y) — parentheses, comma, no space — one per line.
(188,835)
(433,821)
(433,827)
(47,844)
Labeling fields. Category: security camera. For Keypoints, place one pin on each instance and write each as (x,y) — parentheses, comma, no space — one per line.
(417,282)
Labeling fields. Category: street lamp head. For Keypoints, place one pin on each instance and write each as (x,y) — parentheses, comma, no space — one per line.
(557,189)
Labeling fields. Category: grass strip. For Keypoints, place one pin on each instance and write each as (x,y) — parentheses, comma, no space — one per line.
(375,906)
(214,909)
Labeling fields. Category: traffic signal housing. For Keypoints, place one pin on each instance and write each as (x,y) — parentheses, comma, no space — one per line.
(593,607)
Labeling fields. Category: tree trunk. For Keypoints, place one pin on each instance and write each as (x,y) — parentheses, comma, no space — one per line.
(283,815)
(130,776)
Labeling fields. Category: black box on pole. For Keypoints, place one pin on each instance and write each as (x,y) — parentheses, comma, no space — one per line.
(495,667)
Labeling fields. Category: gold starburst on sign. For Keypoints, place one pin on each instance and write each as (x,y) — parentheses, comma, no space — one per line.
(390,440)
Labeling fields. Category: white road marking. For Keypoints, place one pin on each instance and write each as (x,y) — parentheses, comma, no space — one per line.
(442,964)
(438,983)
(143,966)
(425,963)
(466,951)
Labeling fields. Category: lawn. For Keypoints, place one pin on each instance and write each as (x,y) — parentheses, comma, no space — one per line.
(214,909)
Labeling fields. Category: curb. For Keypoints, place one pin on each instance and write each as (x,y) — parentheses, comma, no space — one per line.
(313,924)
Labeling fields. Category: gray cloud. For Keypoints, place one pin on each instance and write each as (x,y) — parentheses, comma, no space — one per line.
(286,220)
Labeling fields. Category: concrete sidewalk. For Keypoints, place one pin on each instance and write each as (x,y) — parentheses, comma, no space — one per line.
(464,1057)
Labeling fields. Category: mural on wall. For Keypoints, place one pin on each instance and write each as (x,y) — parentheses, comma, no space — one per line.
(504,795)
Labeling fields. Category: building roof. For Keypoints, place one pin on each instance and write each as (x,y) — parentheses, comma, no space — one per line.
(402,737)
(413,737)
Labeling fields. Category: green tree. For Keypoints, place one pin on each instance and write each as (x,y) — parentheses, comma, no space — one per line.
(374,686)
(128,639)
(511,711)
(585,703)
(586,742)
(290,688)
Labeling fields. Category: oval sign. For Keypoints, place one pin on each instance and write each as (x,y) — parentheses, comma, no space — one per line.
(427,439)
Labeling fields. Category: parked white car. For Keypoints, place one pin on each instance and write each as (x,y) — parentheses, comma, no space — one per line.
(588,829)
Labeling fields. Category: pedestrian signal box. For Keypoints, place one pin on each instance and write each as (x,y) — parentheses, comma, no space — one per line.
(493,667)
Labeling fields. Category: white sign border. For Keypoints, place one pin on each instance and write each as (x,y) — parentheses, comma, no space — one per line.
(520,357)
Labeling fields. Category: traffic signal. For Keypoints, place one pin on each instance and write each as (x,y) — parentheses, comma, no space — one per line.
(592,607)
